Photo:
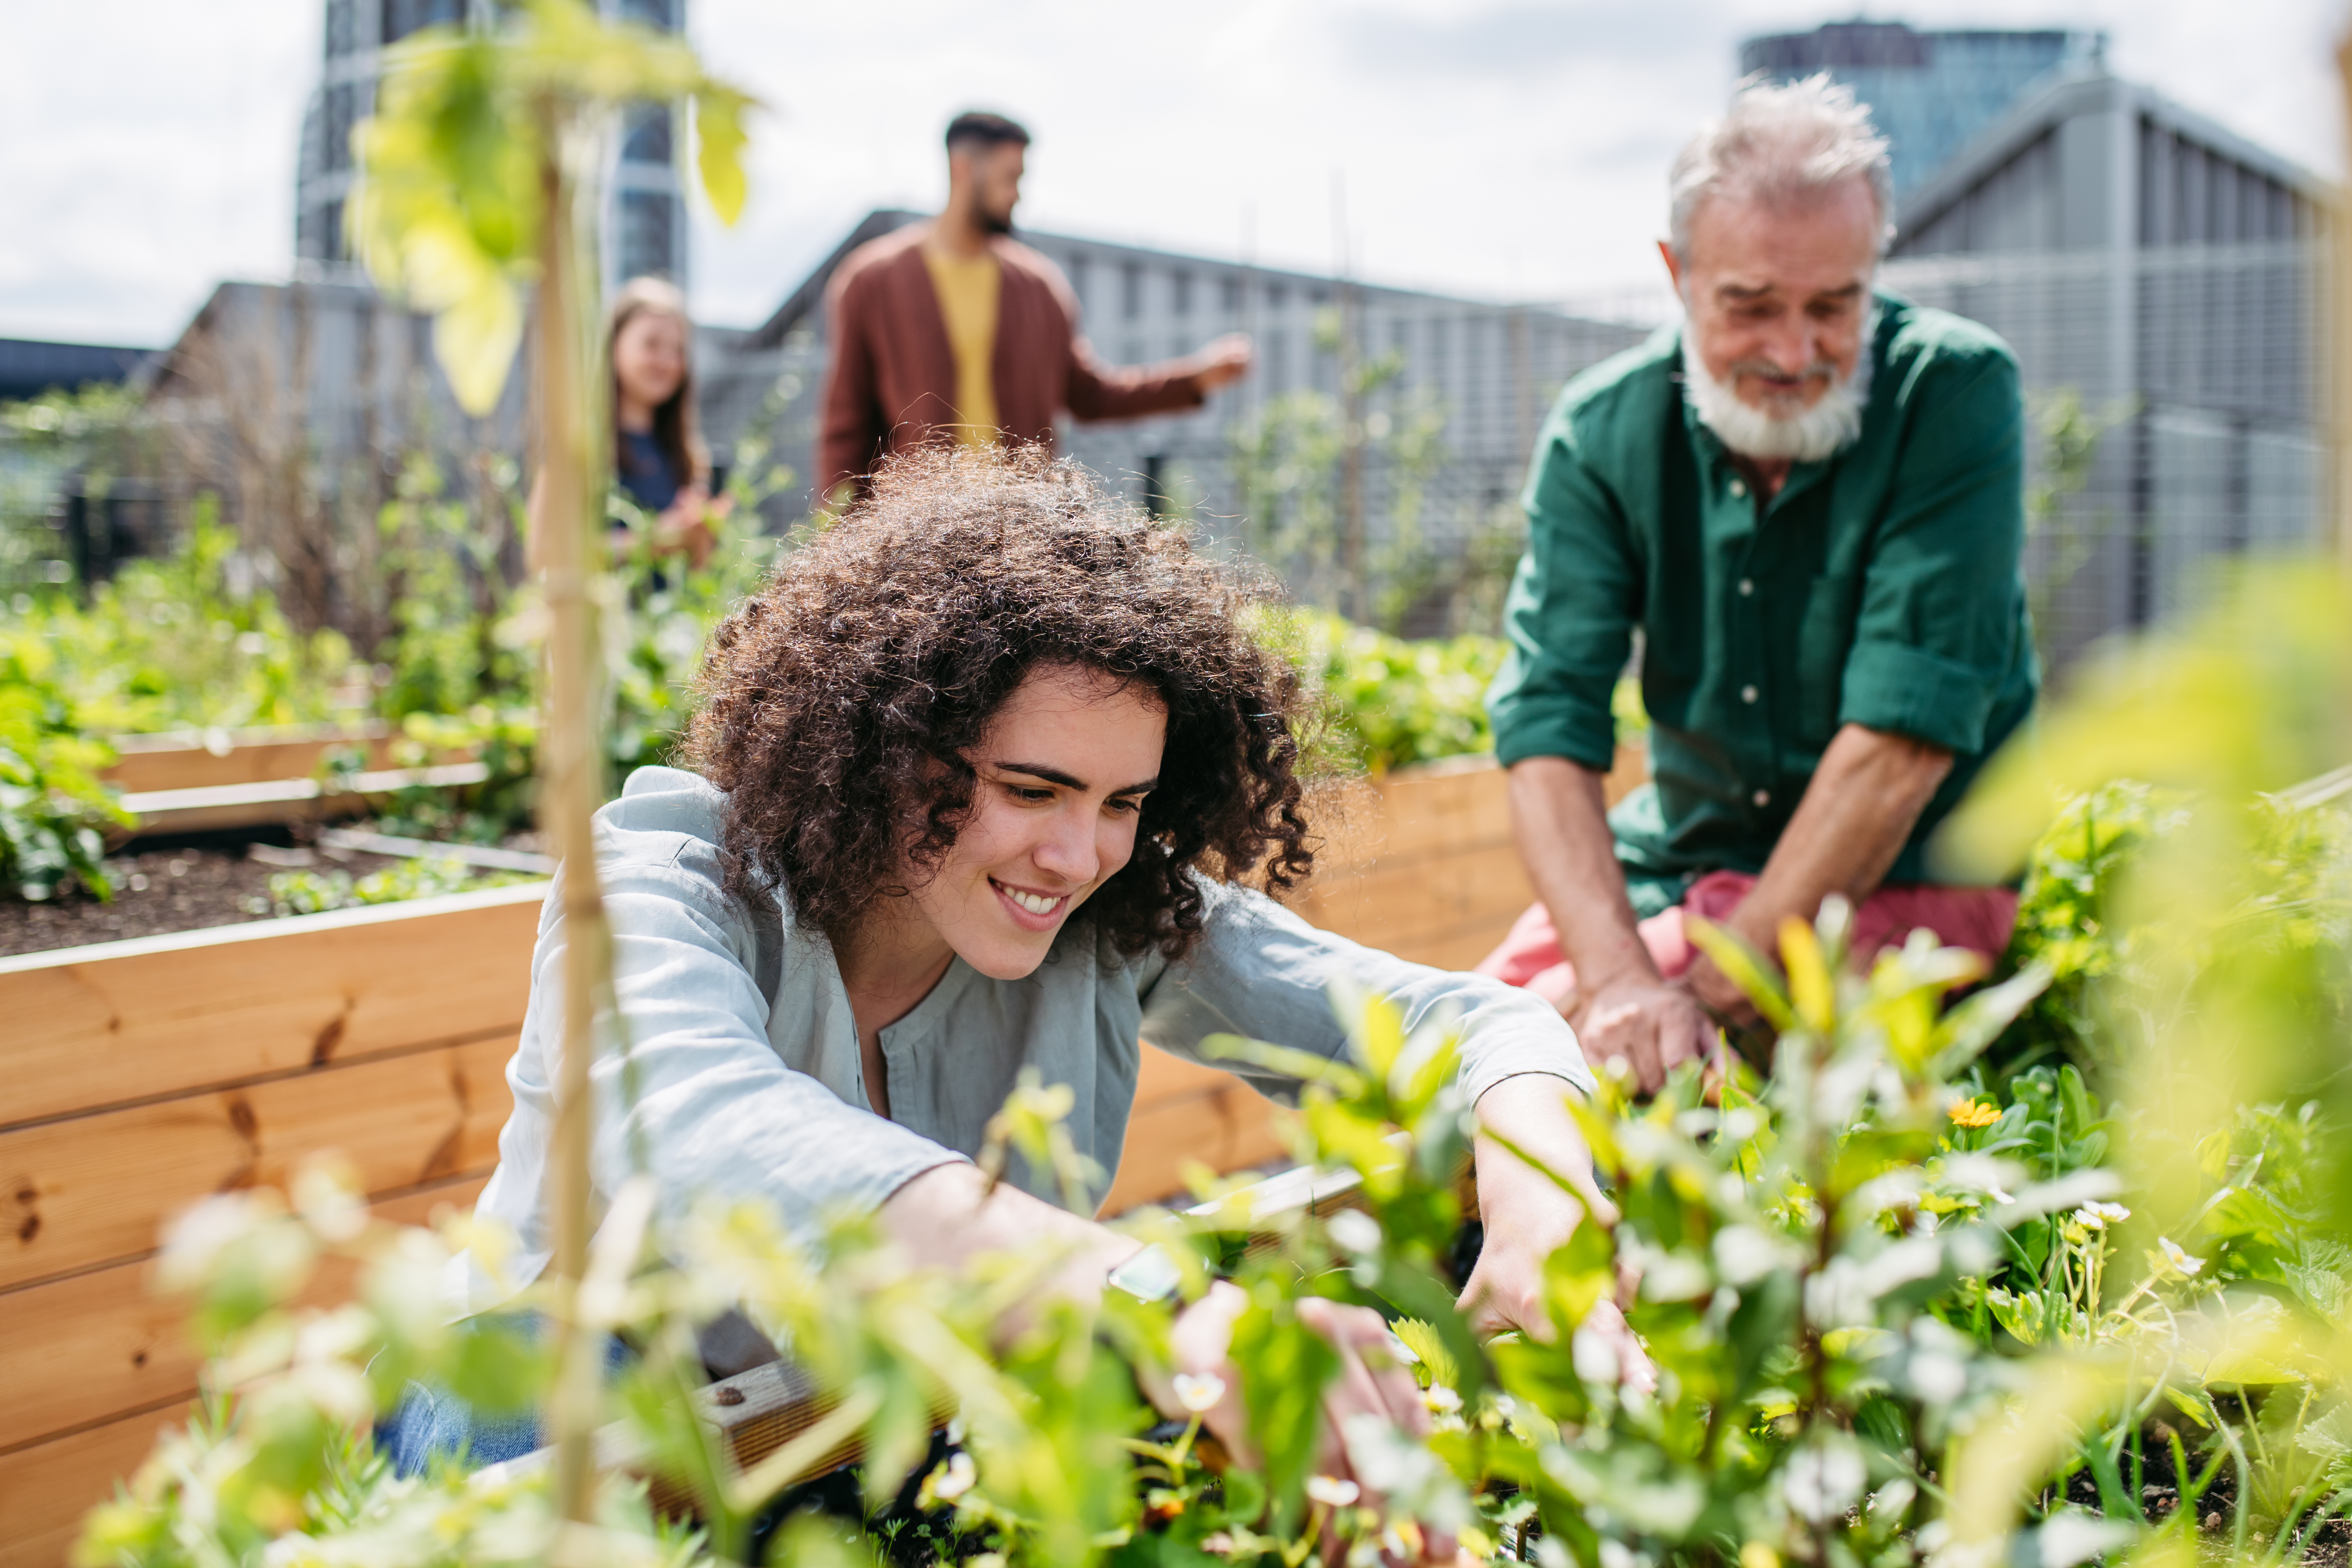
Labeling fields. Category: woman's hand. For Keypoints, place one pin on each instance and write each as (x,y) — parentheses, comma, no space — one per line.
(686,526)
(1369,1381)
(1528,1217)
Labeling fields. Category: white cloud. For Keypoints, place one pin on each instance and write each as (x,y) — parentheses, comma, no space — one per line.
(1516,149)
(146,152)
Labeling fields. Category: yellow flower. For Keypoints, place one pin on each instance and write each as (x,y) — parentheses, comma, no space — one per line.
(1975,1112)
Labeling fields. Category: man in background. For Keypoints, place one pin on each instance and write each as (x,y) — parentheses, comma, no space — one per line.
(954,325)
(1810,499)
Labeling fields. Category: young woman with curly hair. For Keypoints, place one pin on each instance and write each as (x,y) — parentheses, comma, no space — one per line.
(977,779)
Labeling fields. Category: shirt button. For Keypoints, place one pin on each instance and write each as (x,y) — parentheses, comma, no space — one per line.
(1747,694)
(1762,797)
(1747,587)
(1738,490)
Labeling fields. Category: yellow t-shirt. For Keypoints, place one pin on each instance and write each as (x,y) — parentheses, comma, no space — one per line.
(967,288)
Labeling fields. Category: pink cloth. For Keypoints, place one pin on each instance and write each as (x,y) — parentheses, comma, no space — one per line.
(1977,918)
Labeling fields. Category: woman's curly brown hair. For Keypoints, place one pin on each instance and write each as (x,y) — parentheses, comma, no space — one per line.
(839,701)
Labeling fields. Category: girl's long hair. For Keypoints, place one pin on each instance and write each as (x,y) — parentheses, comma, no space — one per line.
(676,430)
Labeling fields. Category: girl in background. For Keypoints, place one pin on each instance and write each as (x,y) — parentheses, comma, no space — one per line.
(658,455)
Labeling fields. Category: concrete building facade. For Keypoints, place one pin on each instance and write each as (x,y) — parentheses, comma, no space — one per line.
(645,217)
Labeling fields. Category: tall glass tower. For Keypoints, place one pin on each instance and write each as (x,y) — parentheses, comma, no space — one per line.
(645,218)
(1930,93)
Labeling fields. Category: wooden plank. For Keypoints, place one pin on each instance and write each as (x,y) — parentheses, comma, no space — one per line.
(90,1190)
(1166,1077)
(120,1021)
(1185,1110)
(45,1489)
(1459,951)
(76,1350)
(1390,904)
(193,759)
(1228,1130)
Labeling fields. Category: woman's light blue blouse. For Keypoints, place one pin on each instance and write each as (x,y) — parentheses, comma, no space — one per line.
(739,1099)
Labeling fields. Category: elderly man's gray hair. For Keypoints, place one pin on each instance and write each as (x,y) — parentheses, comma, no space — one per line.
(1782,144)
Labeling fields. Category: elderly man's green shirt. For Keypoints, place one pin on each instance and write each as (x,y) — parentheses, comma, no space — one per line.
(1881,587)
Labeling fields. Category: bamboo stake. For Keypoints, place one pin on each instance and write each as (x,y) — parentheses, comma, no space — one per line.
(568,759)
(2336,235)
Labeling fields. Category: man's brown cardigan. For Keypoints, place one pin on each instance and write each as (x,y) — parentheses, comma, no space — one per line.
(892,380)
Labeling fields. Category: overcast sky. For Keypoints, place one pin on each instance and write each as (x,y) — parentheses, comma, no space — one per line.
(1508,150)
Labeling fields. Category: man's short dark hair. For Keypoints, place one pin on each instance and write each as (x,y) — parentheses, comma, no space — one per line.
(978,128)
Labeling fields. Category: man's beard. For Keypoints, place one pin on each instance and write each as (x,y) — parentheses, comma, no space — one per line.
(994,222)
(1802,436)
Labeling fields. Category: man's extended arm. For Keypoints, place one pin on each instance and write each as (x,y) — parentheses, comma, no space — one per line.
(1098,391)
(1621,1008)
(1855,817)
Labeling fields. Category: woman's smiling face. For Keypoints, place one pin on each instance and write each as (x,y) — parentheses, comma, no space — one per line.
(1062,770)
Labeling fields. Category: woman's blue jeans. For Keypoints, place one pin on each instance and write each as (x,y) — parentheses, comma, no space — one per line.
(431,1423)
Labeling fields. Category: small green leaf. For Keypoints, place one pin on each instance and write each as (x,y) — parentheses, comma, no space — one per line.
(1436,1362)
(1810,986)
(718,150)
(1745,968)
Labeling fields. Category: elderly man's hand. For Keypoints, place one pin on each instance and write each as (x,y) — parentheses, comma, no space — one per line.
(1650,1025)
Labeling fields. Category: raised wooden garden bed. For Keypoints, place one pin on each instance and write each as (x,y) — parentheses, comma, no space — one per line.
(145,1075)
(189,781)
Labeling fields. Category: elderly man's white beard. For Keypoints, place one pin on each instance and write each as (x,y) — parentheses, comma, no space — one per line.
(1808,435)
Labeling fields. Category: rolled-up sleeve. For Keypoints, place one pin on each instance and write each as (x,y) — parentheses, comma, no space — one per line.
(1571,614)
(1936,636)
(1261,971)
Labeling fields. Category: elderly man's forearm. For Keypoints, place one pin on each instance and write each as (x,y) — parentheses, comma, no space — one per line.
(1561,823)
(1858,813)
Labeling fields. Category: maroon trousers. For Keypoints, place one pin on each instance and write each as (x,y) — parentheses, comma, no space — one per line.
(1977,918)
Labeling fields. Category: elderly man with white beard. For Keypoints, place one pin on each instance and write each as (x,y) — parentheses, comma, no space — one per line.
(1808,499)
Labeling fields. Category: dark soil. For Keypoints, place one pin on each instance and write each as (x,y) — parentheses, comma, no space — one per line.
(2329,1546)
(156,891)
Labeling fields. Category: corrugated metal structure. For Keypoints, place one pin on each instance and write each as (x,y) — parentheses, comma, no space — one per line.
(2170,275)
(1472,378)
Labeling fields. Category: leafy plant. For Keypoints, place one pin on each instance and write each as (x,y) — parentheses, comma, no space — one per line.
(2214,940)
(308,892)
(445,560)
(190,641)
(1381,702)
(53,809)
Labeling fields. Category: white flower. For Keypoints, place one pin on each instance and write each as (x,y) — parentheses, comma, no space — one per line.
(2097,1216)
(1198,1391)
(1331,1491)
(1821,1481)
(1938,1378)
(1441,1399)
(954,1478)
(2188,1263)
(1356,1230)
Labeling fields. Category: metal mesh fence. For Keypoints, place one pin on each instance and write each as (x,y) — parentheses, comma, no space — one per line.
(2201,372)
